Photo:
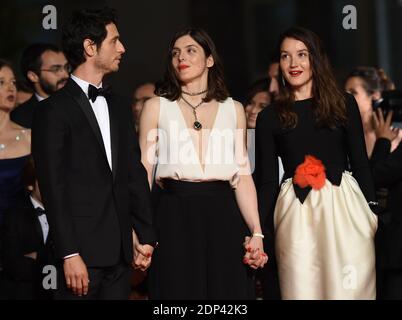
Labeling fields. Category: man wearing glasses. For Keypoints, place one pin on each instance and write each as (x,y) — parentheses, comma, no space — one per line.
(46,69)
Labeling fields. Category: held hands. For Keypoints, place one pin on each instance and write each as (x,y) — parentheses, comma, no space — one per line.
(76,274)
(255,256)
(142,254)
(383,128)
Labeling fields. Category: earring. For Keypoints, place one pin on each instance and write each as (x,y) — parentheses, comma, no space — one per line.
(283,81)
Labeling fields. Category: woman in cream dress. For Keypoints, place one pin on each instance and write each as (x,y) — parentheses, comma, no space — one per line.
(320,215)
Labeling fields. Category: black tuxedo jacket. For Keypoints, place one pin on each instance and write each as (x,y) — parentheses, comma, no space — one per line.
(23,114)
(22,234)
(92,209)
(387,172)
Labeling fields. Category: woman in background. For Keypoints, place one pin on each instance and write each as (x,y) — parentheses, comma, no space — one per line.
(15,145)
(366,84)
(15,142)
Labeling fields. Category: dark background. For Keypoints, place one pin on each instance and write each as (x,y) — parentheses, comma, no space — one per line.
(244,31)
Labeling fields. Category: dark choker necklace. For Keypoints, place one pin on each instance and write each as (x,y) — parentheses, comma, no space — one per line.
(194,93)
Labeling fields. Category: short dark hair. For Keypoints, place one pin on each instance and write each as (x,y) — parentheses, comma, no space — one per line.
(4,63)
(31,59)
(169,87)
(261,85)
(85,24)
(274,58)
(24,86)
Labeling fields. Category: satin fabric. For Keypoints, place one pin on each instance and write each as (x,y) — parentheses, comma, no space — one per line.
(325,246)
(177,146)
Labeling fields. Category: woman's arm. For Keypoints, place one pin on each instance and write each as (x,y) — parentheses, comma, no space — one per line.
(356,149)
(266,172)
(386,166)
(148,125)
(245,192)
(148,136)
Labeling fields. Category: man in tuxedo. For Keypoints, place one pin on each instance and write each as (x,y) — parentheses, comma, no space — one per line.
(387,173)
(27,245)
(46,70)
(89,168)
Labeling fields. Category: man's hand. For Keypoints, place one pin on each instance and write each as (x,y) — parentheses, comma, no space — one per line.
(142,254)
(76,274)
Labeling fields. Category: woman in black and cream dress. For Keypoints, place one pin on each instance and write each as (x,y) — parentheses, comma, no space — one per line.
(208,204)
(320,215)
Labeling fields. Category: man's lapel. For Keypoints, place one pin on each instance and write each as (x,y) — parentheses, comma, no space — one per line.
(114,131)
(82,100)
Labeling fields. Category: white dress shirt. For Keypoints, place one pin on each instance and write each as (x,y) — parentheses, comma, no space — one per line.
(101,112)
(42,219)
(40,98)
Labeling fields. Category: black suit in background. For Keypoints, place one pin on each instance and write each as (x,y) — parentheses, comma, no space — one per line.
(387,172)
(22,234)
(92,209)
(23,114)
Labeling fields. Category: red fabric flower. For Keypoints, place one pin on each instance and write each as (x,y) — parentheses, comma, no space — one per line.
(310,173)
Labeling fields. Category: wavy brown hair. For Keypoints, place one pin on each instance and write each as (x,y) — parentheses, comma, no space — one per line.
(328,100)
(385,81)
(170,88)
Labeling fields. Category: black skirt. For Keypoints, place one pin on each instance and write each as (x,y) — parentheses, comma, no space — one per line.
(200,253)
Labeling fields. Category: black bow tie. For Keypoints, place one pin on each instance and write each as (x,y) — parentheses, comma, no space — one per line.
(39,211)
(94,92)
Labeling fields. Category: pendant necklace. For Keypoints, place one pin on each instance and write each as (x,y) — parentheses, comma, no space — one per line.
(197,125)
